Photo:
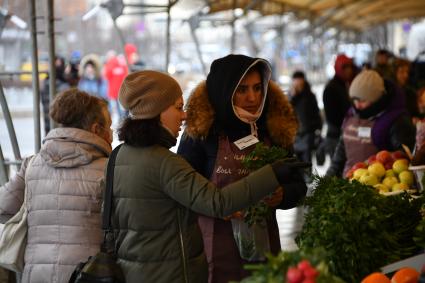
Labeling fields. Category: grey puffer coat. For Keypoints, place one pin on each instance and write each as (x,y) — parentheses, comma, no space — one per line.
(64,195)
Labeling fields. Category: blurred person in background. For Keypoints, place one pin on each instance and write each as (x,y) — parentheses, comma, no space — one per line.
(401,79)
(72,69)
(61,85)
(64,187)
(237,100)
(377,121)
(382,64)
(309,120)
(115,71)
(136,64)
(336,103)
(91,80)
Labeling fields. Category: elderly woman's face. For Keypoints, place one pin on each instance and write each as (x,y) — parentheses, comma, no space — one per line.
(173,117)
(249,92)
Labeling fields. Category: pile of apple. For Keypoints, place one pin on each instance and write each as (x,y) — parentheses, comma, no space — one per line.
(386,171)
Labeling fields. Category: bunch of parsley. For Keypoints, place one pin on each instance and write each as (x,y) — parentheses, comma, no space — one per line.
(260,156)
(360,229)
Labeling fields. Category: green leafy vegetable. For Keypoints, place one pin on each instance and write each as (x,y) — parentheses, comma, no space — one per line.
(260,156)
(419,234)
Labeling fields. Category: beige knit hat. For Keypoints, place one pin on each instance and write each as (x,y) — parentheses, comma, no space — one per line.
(147,93)
(367,86)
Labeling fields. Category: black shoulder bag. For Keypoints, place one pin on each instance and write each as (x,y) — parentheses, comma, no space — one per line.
(103,268)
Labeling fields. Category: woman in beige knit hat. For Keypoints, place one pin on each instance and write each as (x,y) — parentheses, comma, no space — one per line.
(378,120)
(156,192)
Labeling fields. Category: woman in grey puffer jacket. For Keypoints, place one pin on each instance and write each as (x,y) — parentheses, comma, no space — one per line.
(64,183)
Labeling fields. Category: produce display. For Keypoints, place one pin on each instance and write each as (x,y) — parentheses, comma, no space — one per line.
(386,171)
(355,226)
(293,267)
(360,229)
(350,231)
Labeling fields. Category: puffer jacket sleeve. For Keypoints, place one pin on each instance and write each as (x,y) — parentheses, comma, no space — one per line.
(12,193)
(182,183)
(338,160)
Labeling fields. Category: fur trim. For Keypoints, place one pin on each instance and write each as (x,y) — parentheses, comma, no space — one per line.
(199,112)
(281,119)
(97,65)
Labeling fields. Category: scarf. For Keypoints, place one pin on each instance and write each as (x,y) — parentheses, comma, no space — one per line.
(248,118)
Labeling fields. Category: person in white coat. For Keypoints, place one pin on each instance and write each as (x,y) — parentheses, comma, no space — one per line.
(64,184)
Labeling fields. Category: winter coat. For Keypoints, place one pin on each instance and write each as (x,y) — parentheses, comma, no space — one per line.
(210,116)
(115,71)
(391,128)
(309,120)
(96,86)
(336,103)
(64,195)
(156,197)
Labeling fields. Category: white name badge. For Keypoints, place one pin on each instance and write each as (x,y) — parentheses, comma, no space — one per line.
(364,132)
(246,142)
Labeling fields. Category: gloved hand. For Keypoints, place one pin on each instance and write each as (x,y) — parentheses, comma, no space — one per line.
(285,169)
(290,178)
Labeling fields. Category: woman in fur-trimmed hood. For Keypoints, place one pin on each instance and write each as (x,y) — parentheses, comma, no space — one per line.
(237,100)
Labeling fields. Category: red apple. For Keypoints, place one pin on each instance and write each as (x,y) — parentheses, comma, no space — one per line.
(398,155)
(384,156)
(294,275)
(389,165)
(304,264)
(371,159)
(310,273)
(359,165)
(350,173)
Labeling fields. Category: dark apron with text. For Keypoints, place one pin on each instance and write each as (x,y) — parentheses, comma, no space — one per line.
(358,147)
(224,262)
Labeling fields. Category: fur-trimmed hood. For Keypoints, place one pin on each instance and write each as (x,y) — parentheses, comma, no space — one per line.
(281,120)
(96,62)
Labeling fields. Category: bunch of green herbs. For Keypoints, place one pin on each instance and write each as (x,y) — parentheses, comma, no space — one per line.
(360,229)
(259,157)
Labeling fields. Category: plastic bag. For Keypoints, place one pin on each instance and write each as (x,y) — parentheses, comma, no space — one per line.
(252,241)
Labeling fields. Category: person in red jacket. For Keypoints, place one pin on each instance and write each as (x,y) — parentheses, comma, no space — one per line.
(115,70)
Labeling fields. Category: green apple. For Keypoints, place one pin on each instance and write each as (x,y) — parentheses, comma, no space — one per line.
(399,187)
(406,177)
(377,169)
(359,172)
(382,188)
(390,173)
(400,165)
(390,181)
(369,179)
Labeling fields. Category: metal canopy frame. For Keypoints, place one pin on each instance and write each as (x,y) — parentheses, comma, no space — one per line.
(344,14)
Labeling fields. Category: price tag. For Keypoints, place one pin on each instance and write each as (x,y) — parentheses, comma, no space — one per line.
(364,132)
(246,142)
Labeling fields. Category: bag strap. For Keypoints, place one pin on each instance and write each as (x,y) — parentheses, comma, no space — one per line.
(29,164)
(107,200)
